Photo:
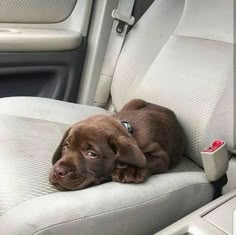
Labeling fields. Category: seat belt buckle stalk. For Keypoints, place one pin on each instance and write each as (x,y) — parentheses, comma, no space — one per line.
(215,159)
(122,20)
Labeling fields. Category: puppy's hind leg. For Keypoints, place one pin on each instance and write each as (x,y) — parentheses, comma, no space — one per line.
(158,160)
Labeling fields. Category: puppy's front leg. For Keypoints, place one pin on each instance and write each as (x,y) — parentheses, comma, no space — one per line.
(130,174)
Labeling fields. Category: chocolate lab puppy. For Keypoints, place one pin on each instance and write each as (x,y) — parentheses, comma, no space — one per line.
(141,140)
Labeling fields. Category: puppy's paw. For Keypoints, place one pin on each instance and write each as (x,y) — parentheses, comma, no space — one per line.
(129,175)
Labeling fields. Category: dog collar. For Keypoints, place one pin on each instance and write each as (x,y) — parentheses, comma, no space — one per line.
(128,126)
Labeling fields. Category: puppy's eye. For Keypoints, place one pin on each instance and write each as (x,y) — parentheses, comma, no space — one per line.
(91,154)
(66,145)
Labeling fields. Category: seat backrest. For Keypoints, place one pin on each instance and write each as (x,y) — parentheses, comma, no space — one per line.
(180,55)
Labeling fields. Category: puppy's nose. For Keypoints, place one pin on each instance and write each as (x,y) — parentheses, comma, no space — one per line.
(61,171)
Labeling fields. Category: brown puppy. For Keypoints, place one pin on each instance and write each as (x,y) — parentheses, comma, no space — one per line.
(141,140)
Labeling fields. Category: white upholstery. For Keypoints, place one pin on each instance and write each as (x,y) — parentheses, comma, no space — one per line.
(192,73)
(110,208)
(188,68)
(47,109)
(207,19)
(150,34)
(202,79)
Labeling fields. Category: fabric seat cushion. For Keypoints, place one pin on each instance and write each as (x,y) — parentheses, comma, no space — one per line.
(47,109)
(29,142)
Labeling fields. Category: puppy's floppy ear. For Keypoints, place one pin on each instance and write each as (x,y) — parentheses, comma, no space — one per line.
(58,152)
(127,152)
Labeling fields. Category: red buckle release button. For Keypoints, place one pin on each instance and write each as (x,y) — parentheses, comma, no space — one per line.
(214,146)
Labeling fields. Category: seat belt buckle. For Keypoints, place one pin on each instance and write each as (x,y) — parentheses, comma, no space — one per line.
(215,159)
(122,20)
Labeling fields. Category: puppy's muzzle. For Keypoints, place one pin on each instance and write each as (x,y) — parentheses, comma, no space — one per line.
(62,171)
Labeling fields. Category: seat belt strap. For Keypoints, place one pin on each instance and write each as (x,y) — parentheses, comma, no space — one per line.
(122,19)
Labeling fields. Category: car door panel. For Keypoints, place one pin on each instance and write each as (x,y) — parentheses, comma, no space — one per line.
(38,40)
(42,54)
(52,74)
(35,11)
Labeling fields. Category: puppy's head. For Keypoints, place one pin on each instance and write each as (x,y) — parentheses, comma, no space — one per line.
(90,151)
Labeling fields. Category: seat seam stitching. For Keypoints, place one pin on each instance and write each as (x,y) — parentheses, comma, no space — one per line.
(201,38)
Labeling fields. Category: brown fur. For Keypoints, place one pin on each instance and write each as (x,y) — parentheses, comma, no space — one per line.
(156,144)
